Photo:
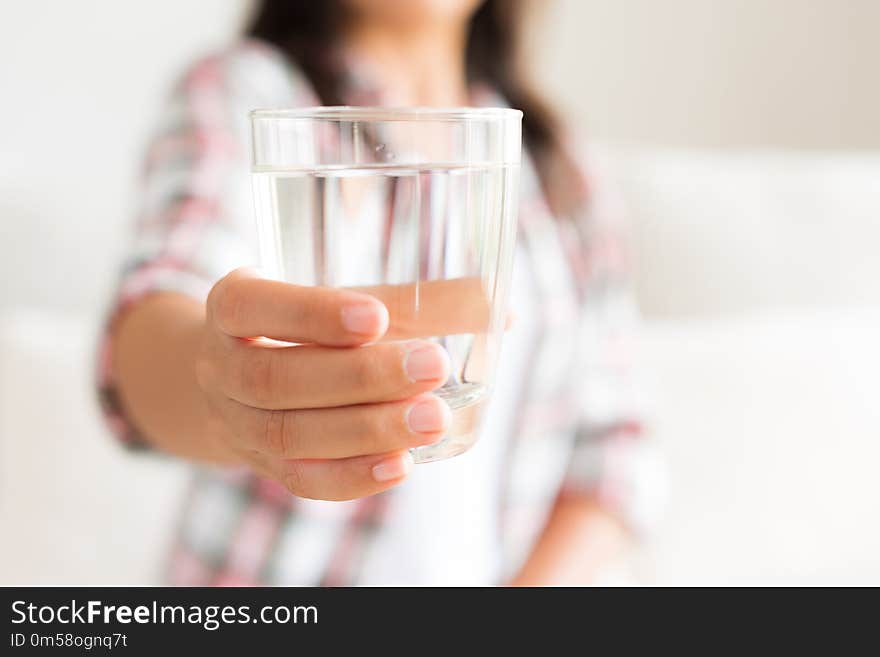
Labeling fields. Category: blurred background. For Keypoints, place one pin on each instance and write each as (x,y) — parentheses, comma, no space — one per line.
(744,135)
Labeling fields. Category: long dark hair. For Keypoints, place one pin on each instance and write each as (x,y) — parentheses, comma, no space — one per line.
(302,30)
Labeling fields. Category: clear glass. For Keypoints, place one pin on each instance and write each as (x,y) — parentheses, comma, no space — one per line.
(415,206)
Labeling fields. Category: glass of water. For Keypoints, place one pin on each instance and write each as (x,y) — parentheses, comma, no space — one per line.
(415,206)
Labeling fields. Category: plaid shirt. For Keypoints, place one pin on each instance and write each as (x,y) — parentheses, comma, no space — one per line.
(572,426)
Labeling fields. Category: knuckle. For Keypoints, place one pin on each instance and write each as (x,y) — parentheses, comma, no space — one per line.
(294,479)
(394,369)
(366,369)
(256,376)
(383,370)
(400,419)
(281,436)
(225,304)
(274,440)
(381,427)
(342,488)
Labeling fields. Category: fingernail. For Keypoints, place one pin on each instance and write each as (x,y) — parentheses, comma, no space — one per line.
(429,416)
(427,363)
(364,318)
(393,468)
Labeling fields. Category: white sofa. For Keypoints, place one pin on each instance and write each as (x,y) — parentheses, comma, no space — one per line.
(759,276)
(761,291)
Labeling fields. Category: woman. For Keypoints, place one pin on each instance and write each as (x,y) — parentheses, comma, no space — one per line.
(550,492)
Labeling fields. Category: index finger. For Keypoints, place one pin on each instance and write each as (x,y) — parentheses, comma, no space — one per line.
(245,305)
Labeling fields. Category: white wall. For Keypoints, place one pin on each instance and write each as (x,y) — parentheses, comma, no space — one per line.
(710,73)
(81,83)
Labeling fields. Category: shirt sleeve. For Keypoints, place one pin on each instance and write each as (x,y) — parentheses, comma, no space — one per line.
(195,214)
(612,459)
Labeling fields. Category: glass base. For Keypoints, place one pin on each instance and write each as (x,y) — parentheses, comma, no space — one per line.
(446,448)
(467,402)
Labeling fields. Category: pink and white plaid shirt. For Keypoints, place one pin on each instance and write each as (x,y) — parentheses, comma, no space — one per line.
(565,422)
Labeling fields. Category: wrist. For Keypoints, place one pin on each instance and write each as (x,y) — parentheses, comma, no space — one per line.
(155,349)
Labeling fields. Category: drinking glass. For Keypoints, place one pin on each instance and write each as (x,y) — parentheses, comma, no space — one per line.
(415,206)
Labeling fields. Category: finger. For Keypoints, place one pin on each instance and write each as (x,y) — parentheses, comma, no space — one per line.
(244,305)
(337,479)
(433,308)
(312,376)
(341,432)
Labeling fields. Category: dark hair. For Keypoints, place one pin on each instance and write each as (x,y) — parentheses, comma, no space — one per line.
(304,29)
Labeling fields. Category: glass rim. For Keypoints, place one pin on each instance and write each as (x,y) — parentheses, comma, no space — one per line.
(378,114)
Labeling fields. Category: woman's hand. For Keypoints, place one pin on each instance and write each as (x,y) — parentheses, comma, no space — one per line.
(331,418)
